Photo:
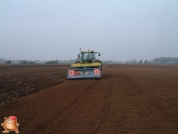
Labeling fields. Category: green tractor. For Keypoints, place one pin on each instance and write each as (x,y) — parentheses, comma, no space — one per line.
(86,66)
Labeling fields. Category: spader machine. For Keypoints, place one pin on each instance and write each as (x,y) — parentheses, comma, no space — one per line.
(86,66)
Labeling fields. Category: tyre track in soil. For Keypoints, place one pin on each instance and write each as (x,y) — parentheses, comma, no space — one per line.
(157,107)
(87,115)
(69,110)
(109,87)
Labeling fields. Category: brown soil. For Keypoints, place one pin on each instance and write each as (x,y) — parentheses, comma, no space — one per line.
(21,80)
(130,99)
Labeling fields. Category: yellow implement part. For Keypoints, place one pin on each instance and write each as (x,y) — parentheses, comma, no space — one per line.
(85,64)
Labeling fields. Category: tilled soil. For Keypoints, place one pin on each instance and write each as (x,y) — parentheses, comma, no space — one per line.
(128,99)
(21,80)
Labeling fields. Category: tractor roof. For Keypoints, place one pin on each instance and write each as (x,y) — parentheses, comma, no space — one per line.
(87,51)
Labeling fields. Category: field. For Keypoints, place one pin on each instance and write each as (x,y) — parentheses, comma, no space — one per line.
(128,99)
(20,80)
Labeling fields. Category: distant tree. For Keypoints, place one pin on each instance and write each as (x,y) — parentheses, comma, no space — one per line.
(127,62)
(32,62)
(8,62)
(145,62)
(48,62)
(23,62)
(2,60)
(140,62)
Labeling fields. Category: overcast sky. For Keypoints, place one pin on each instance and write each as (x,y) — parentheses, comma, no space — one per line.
(120,29)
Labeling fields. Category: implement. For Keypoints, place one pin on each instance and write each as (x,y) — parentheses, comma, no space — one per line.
(85,64)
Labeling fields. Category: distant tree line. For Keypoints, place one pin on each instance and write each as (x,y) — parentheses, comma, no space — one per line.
(27,62)
(161,60)
(8,62)
(20,62)
(52,62)
(166,60)
(140,62)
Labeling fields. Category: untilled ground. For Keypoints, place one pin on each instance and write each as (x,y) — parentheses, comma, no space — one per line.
(130,99)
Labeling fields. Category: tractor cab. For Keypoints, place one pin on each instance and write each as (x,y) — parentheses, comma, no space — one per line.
(87,57)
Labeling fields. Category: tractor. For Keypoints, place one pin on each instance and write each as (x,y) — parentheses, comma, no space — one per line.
(86,66)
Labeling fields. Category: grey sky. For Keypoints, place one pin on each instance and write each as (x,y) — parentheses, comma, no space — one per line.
(120,30)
